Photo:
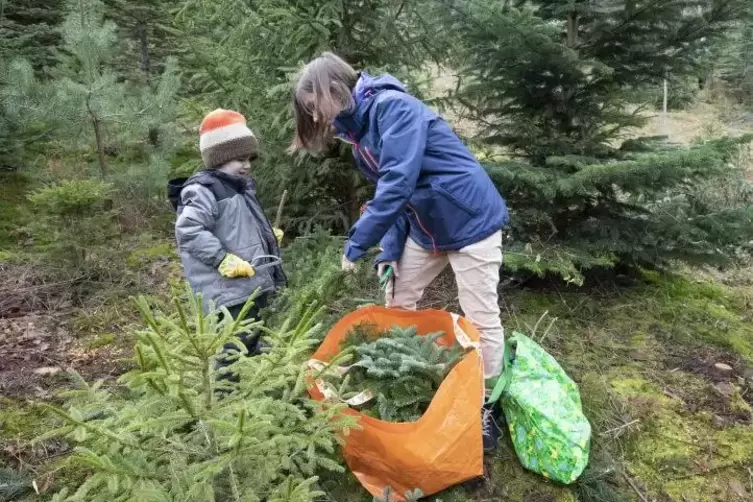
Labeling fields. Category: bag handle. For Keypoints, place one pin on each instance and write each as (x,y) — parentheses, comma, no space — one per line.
(330,393)
(274,261)
(461,336)
(504,379)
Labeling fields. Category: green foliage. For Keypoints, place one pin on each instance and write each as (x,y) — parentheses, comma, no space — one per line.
(29,30)
(144,37)
(13,485)
(22,123)
(410,496)
(681,93)
(71,199)
(400,369)
(72,218)
(735,66)
(165,434)
(312,264)
(551,85)
(89,96)
(243,56)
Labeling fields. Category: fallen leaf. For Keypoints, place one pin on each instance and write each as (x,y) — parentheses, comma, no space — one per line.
(47,370)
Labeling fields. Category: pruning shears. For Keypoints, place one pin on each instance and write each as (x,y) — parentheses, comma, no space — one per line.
(386,276)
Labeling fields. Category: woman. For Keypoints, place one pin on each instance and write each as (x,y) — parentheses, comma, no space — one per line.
(434,203)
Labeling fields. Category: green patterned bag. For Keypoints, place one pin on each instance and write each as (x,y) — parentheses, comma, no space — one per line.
(542,406)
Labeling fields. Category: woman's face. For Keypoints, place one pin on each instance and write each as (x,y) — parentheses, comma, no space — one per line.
(318,113)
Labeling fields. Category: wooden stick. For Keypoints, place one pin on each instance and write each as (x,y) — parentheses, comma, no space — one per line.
(634,487)
(283,199)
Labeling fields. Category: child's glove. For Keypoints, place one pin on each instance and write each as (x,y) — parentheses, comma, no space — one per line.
(279,234)
(232,266)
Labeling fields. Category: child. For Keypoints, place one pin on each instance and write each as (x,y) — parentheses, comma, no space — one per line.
(434,203)
(221,227)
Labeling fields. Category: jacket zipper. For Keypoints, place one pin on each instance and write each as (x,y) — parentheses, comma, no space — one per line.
(368,156)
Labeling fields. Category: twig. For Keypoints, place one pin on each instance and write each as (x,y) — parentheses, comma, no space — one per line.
(617,429)
(634,487)
(536,326)
(547,330)
(278,218)
(707,472)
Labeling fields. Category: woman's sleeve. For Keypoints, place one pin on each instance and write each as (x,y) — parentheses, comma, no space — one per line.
(403,131)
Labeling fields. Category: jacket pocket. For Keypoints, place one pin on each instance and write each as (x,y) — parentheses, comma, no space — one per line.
(454,200)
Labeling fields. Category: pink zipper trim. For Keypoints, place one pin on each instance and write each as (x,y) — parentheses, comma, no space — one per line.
(420,224)
(370,156)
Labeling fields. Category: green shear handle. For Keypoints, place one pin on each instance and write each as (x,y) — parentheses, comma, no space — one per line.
(386,276)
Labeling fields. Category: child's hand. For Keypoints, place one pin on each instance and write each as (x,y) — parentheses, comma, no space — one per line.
(232,266)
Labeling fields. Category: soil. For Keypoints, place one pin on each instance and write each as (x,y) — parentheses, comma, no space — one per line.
(700,362)
(36,351)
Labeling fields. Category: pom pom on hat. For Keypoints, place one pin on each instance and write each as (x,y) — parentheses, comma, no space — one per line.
(224,136)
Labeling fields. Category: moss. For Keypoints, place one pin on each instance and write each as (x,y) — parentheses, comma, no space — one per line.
(155,251)
(511,482)
(699,311)
(677,452)
(100,341)
(21,420)
(735,444)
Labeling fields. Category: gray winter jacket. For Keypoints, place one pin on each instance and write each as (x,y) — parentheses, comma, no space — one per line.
(218,214)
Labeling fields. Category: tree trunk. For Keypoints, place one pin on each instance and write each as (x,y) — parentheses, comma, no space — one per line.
(572,30)
(99,136)
(100,146)
(146,66)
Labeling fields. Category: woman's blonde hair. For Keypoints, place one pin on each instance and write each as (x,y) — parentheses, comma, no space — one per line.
(324,89)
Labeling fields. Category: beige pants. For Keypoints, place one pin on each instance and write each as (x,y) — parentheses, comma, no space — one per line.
(476,269)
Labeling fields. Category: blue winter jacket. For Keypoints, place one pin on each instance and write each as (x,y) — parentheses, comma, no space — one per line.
(429,185)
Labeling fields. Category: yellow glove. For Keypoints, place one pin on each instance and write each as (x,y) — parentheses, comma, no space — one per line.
(279,234)
(232,266)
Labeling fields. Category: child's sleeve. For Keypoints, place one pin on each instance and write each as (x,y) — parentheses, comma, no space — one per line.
(195,224)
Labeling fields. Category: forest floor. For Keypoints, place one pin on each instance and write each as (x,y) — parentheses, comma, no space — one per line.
(664,363)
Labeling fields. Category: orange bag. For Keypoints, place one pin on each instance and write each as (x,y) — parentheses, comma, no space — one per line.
(443,447)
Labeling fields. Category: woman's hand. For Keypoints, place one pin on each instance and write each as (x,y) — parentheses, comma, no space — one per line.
(383,266)
(347,265)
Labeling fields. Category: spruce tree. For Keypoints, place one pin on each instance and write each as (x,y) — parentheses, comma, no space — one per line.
(166,434)
(29,29)
(552,86)
(735,65)
(23,123)
(143,36)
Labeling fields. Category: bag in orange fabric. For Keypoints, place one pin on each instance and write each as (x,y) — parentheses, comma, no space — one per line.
(443,447)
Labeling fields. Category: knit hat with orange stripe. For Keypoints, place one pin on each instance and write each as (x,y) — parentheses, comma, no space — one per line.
(224,136)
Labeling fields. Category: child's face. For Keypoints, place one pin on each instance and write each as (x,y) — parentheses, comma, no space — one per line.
(236,167)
